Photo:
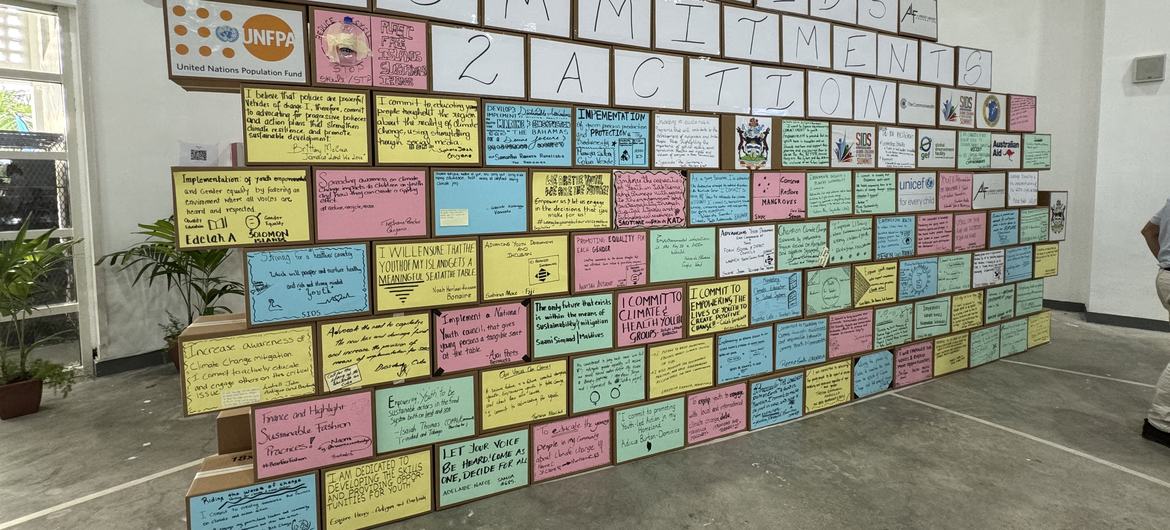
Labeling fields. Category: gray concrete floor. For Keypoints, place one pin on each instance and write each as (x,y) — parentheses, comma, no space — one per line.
(1007,445)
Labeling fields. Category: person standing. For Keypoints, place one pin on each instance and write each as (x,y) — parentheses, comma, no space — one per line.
(1157,234)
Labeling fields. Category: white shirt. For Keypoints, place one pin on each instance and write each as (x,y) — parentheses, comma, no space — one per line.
(1162,220)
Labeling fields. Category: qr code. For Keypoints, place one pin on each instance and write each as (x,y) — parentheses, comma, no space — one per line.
(199,154)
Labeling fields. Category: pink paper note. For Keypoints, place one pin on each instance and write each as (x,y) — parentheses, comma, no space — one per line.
(312,434)
(954,191)
(913,363)
(400,54)
(777,196)
(570,446)
(850,333)
(608,261)
(646,317)
(329,70)
(716,412)
(935,233)
(466,339)
(645,199)
(1022,113)
(970,231)
(370,204)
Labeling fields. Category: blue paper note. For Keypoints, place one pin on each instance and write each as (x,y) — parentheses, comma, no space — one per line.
(720,197)
(775,297)
(801,343)
(1017,264)
(612,137)
(917,278)
(480,202)
(1005,228)
(744,354)
(873,373)
(309,282)
(777,400)
(895,237)
(527,135)
(285,503)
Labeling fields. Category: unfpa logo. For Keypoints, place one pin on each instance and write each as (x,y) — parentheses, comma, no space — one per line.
(268,38)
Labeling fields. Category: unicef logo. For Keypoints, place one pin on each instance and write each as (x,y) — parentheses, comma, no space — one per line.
(227,34)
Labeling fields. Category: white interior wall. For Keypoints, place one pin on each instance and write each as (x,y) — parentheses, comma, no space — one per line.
(137,116)
(1050,48)
(1132,179)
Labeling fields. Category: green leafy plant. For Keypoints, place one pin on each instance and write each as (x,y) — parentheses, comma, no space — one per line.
(193,274)
(25,263)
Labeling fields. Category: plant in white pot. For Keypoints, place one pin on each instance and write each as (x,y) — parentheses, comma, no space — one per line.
(25,265)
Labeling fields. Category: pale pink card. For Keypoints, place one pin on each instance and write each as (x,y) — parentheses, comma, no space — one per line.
(935,233)
(778,196)
(716,412)
(954,191)
(466,339)
(570,446)
(645,199)
(395,54)
(970,231)
(312,434)
(330,70)
(608,261)
(370,203)
(1022,113)
(850,333)
(913,363)
(645,317)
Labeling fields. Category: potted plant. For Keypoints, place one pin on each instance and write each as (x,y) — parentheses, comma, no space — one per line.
(193,274)
(24,265)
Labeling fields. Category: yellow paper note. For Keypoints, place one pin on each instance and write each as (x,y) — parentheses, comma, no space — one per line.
(377,492)
(875,284)
(246,369)
(525,266)
(289,125)
(570,200)
(715,307)
(237,207)
(1039,329)
(1047,260)
(372,351)
(681,367)
(426,130)
(828,386)
(425,274)
(524,393)
(966,311)
(950,354)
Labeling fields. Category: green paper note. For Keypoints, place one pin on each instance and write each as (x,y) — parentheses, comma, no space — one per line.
(974,150)
(682,254)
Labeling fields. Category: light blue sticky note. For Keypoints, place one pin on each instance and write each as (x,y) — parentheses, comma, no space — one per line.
(895,237)
(720,197)
(527,135)
(932,318)
(612,137)
(482,466)
(285,503)
(801,343)
(777,400)
(1005,228)
(873,373)
(480,202)
(309,282)
(984,345)
(775,297)
(650,429)
(917,278)
(743,354)
(608,379)
(1017,264)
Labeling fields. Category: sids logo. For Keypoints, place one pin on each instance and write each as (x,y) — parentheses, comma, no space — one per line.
(966,104)
(268,38)
(864,139)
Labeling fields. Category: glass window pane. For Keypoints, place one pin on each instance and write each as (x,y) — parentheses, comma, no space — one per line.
(37,190)
(32,116)
(63,347)
(29,40)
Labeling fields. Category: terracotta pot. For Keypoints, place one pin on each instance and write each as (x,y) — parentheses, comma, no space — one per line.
(19,399)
